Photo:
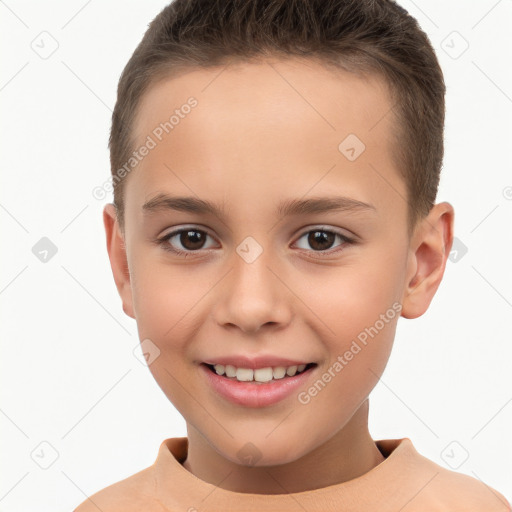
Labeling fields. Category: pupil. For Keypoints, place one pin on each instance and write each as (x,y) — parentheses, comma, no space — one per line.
(196,236)
(320,237)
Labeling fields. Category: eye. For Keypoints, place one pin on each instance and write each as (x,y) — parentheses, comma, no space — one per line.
(321,240)
(191,239)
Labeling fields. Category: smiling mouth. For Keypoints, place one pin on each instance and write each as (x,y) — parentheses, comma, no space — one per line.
(260,375)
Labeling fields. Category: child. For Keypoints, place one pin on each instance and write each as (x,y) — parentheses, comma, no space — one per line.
(246,135)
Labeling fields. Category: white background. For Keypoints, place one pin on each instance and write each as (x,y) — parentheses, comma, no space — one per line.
(69,376)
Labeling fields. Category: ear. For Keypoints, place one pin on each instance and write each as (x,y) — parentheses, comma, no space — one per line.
(430,247)
(117,255)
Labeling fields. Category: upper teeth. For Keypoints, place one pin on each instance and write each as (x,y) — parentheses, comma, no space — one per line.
(258,375)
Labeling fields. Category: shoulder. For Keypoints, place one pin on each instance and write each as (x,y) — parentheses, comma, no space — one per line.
(132,494)
(447,490)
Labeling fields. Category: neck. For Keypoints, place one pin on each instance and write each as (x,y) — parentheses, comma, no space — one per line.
(350,453)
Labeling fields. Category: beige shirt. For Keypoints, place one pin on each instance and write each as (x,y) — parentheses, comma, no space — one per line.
(405,481)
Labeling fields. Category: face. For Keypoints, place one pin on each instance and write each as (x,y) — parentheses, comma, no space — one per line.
(256,277)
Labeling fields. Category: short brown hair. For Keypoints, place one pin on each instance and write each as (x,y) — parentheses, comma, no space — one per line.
(359,36)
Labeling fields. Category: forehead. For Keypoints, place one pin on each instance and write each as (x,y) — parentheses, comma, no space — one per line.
(263,130)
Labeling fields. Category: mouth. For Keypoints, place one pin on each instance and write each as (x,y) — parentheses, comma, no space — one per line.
(260,375)
(241,389)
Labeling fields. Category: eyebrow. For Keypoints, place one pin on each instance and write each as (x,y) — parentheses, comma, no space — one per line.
(163,202)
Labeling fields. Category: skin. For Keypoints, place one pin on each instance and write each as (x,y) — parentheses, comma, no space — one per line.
(263,132)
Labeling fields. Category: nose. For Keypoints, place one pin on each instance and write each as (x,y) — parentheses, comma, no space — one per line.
(253,296)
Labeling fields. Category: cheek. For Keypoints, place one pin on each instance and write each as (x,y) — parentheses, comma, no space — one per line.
(357,357)
(357,315)
(156,304)
(164,302)
(168,302)
(354,297)
(164,297)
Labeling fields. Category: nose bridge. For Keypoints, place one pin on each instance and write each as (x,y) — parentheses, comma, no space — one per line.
(253,296)
(251,274)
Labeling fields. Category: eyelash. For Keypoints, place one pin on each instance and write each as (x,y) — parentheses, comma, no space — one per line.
(164,241)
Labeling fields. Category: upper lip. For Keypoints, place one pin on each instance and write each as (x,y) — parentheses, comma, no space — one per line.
(254,362)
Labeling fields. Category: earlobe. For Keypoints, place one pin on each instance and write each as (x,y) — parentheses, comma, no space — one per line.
(430,248)
(118,259)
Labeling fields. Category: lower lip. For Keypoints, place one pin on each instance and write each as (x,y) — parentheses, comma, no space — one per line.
(253,394)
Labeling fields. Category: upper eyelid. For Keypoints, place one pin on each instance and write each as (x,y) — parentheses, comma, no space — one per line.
(175,232)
